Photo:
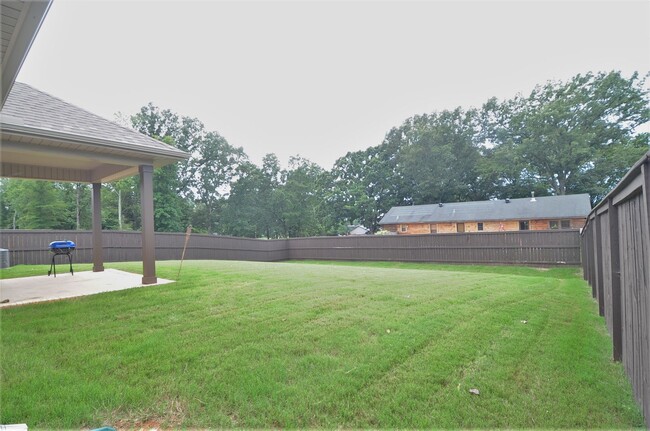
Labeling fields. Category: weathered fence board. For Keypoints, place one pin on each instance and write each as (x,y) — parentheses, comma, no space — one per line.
(616,262)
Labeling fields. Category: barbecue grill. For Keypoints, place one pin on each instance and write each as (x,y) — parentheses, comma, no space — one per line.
(61,248)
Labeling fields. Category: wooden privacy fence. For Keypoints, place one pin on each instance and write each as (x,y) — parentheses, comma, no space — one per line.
(616,262)
(30,247)
(521,247)
(526,247)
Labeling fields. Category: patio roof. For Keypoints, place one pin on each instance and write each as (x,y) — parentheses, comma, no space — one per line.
(44,137)
(20,21)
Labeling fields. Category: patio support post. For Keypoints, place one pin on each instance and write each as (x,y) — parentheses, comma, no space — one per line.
(148,237)
(98,252)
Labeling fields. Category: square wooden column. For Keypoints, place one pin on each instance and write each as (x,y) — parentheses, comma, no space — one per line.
(98,252)
(148,237)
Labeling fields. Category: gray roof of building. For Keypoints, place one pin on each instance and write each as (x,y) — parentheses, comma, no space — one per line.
(30,110)
(545,207)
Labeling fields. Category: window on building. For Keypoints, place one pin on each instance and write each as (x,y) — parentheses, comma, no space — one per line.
(523,225)
(433,228)
(565,224)
(553,224)
(480,226)
(403,227)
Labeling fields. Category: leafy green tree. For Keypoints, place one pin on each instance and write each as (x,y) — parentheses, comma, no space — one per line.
(577,136)
(36,204)
(7,212)
(299,204)
(272,178)
(502,170)
(366,184)
(121,204)
(77,197)
(175,184)
(243,208)
(217,167)
(186,133)
(438,156)
(205,178)
(249,209)
(171,210)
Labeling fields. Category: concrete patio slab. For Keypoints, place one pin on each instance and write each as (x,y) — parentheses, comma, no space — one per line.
(43,288)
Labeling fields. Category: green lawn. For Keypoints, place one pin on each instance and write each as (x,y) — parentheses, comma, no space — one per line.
(314,344)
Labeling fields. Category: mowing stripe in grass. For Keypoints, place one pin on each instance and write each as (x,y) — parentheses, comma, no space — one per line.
(244,344)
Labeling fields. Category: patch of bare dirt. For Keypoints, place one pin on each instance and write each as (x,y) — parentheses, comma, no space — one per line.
(167,416)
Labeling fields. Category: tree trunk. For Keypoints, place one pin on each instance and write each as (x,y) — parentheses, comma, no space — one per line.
(119,209)
(78,209)
(561,181)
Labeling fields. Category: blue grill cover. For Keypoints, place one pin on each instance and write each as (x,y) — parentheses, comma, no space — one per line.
(62,245)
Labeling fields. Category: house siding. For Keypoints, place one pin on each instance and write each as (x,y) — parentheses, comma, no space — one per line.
(472,226)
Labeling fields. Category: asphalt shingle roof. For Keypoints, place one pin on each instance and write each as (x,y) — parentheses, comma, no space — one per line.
(545,207)
(27,107)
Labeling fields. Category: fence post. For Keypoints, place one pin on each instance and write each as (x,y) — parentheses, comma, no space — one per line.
(617,325)
(600,288)
(643,377)
(583,254)
(592,258)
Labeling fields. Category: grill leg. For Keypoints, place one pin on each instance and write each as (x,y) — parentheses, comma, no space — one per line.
(52,265)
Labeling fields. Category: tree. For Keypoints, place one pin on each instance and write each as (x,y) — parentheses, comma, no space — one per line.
(217,166)
(438,156)
(249,209)
(171,210)
(36,204)
(502,170)
(365,184)
(121,204)
(299,205)
(244,211)
(77,197)
(8,214)
(185,133)
(577,136)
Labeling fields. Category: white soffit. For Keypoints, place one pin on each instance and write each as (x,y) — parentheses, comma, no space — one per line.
(19,24)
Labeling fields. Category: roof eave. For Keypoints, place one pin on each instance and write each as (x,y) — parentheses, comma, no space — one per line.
(20,43)
(482,219)
(171,153)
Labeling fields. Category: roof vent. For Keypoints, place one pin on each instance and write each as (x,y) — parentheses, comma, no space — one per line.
(440,204)
(532,197)
(507,200)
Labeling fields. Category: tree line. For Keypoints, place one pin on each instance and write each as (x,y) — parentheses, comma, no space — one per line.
(565,137)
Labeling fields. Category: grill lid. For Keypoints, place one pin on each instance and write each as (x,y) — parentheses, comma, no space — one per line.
(55,245)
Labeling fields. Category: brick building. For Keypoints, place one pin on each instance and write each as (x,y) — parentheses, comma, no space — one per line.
(542,213)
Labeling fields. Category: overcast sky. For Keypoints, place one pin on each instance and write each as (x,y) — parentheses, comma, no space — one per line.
(320,79)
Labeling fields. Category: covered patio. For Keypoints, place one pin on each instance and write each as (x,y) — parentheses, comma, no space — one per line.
(27,290)
(46,138)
